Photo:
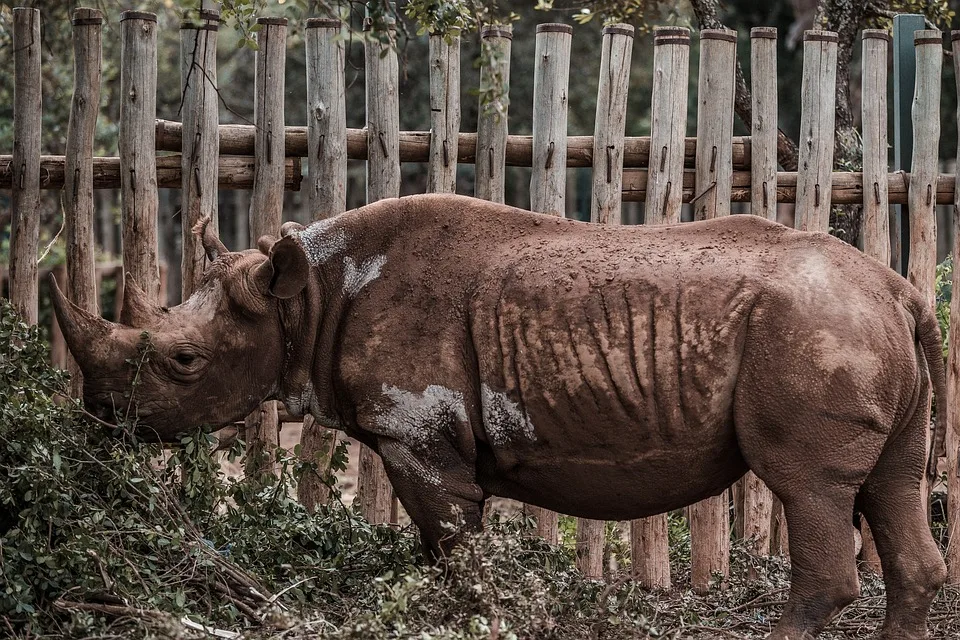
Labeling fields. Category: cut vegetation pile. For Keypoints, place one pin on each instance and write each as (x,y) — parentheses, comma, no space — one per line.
(99,538)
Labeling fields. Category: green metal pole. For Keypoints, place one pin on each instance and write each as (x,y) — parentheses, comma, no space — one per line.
(904,78)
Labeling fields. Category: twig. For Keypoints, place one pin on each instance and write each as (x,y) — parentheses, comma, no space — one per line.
(54,241)
(109,609)
(213,631)
(749,604)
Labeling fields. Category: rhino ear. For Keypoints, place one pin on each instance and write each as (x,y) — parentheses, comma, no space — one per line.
(284,274)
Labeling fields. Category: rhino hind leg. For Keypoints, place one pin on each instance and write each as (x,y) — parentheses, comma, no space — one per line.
(823,564)
(814,447)
(913,569)
(438,490)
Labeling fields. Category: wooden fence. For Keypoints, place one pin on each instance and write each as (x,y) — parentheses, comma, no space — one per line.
(663,170)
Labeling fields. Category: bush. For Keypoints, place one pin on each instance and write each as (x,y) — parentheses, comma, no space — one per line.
(90,517)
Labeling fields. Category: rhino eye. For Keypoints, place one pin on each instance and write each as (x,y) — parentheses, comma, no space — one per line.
(185,358)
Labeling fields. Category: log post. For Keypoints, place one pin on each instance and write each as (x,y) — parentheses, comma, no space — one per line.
(78,209)
(952,423)
(25,218)
(608,138)
(201,140)
(876,219)
(266,209)
(444,112)
(326,119)
(817,114)
(138,165)
(550,85)
(924,171)
(266,204)
(549,176)
(710,518)
(383,116)
(374,491)
(876,206)
(714,166)
(327,196)
(492,124)
(754,501)
(609,128)
(668,123)
(763,132)
(924,167)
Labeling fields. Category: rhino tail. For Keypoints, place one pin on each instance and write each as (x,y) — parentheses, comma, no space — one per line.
(929,338)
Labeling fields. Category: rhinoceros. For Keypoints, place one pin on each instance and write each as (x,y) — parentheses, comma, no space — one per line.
(603,372)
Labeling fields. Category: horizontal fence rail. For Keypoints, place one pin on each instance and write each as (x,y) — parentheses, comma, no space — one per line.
(235,172)
(238,139)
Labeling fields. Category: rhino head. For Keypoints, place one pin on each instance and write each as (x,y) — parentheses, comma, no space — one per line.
(170,367)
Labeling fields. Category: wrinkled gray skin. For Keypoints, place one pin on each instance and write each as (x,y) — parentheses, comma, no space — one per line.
(602,372)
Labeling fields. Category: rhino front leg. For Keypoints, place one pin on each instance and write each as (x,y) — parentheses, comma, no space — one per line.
(438,489)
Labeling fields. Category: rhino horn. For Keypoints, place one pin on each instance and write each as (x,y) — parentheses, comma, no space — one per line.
(137,311)
(83,331)
(212,245)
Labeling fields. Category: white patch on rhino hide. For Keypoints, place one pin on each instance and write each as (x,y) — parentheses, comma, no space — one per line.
(502,418)
(416,419)
(356,278)
(204,301)
(319,242)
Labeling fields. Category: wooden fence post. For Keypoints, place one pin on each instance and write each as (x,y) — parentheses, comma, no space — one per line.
(763,132)
(25,219)
(924,171)
(492,124)
(78,172)
(668,124)
(714,163)
(327,193)
(548,180)
(326,119)
(817,114)
(444,113)
(609,128)
(383,181)
(753,501)
(710,518)
(550,85)
(924,166)
(876,220)
(953,374)
(201,140)
(876,214)
(649,542)
(266,208)
(138,164)
(608,140)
